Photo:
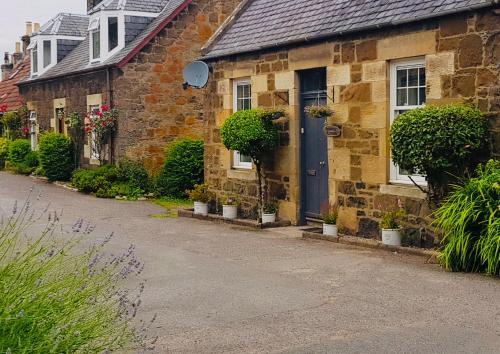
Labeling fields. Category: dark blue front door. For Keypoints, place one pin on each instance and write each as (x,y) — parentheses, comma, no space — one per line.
(314,146)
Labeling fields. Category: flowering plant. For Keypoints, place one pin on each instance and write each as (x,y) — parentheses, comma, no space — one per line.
(100,124)
(3,108)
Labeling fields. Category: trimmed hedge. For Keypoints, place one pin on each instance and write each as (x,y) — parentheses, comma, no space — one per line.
(56,156)
(4,152)
(18,150)
(183,168)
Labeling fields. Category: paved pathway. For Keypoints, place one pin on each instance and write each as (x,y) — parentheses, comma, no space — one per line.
(219,289)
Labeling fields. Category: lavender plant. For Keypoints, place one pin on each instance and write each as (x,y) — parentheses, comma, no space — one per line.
(54,298)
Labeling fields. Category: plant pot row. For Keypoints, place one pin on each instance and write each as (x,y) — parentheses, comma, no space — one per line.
(390,237)
(230,212)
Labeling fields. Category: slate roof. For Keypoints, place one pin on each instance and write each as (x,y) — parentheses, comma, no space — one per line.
(9,92)
(155,6)
(66,25)
(78,60)
(265,24)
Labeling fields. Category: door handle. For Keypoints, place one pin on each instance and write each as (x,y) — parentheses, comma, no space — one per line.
(322,163)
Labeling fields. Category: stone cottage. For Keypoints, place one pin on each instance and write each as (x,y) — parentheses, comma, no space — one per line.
(130,55)
(369,61)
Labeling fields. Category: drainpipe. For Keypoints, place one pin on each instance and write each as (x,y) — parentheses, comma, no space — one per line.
(110,98)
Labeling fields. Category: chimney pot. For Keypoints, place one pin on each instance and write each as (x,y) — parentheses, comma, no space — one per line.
(29,28)
(37,27)
(18,47)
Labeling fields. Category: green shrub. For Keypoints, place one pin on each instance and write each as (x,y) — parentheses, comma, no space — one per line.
(183,168)
(31,160)
(56,156)
(470,223)
(83,180)
(4,151)
(56,298)
(133,173)
(109,172)
(18,149)
(439,142)
(201,193)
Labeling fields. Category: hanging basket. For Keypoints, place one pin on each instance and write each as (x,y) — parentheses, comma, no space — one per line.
(319,112)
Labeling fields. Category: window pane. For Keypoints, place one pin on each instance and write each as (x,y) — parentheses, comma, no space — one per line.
(96,45)
(402,99)
(239,92)
(413,96)
(422,78)
(244,158)
(35,60)
(401,78)
(47,53)
(413,77)
(422,96)
(112,33)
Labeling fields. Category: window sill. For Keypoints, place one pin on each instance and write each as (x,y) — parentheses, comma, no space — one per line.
(403,190)
(242,174)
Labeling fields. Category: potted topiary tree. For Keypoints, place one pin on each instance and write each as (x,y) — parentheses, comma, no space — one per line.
(442,143)
(253,133)
(330,216)
(230,208)
(201,196)
(391,227)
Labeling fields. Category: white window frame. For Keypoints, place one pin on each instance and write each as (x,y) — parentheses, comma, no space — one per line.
(34,58)
(237,162)
(94,155)
(45,64)
(395,176)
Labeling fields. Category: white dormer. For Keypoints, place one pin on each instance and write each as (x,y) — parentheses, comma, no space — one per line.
(54,39)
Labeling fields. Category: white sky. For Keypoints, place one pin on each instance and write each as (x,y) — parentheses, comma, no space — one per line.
(15,13)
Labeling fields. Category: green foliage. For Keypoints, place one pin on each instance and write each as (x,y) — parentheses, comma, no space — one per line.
(330,214)
(439,142)
(134,173)
(392,220)
(56,156)
(270,208)
(250,132)
(31,159)
(109,181)
(18,149)
(470,223)
(201,194)
(319,112)
(11,122)
(75,124)
(56,298)
(183,168)
(4,151)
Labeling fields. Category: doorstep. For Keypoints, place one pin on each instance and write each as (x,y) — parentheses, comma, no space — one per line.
(317,234)
(189,213)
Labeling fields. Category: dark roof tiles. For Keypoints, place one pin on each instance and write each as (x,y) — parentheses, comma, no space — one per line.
(66,25)
(268,23)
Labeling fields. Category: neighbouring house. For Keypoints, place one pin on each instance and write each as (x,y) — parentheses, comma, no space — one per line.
(15,68)
(130,55)
(369,61)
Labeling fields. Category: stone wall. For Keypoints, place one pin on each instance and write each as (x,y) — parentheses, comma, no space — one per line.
(154,107)
(462,55)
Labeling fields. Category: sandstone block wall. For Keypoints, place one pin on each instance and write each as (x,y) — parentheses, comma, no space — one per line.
(462,56)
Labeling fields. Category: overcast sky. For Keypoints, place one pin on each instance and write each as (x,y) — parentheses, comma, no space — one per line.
(15,13)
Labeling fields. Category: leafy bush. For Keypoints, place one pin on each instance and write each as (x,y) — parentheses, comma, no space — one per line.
(31,160)
(58,299)
(439,142)
(252,133)
(470,222)
(4,151)
(133,173)
(18,149)
(201,194)
(183,168)
(56,156)
(392,220)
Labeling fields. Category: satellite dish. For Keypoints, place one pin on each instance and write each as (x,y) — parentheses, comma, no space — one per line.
(196,74)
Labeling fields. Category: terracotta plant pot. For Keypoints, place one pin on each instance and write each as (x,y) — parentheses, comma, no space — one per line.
(201,208)
(330,230)
(268,218)
(230,211)
(392,237)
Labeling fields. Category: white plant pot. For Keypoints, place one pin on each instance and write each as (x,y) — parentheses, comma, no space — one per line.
(230,211)
(330,230)
(268,218)
(200,208)
(392,237)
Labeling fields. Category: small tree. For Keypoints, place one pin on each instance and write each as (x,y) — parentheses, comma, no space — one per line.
(254,134)
(100,124)
(75,125)
(443,143)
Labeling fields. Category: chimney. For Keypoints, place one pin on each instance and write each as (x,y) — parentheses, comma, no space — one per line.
(29,28)
(36,27)
(17,57)
(26,37)
(7,67)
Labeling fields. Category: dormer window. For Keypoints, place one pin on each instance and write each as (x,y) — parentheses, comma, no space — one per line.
(112,33)
(34,57)
(47,53)
(95,38)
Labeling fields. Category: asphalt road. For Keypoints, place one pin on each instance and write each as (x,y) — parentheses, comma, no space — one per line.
(220,289)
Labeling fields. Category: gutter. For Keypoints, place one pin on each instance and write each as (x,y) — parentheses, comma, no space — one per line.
(76,73)
(306,39)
